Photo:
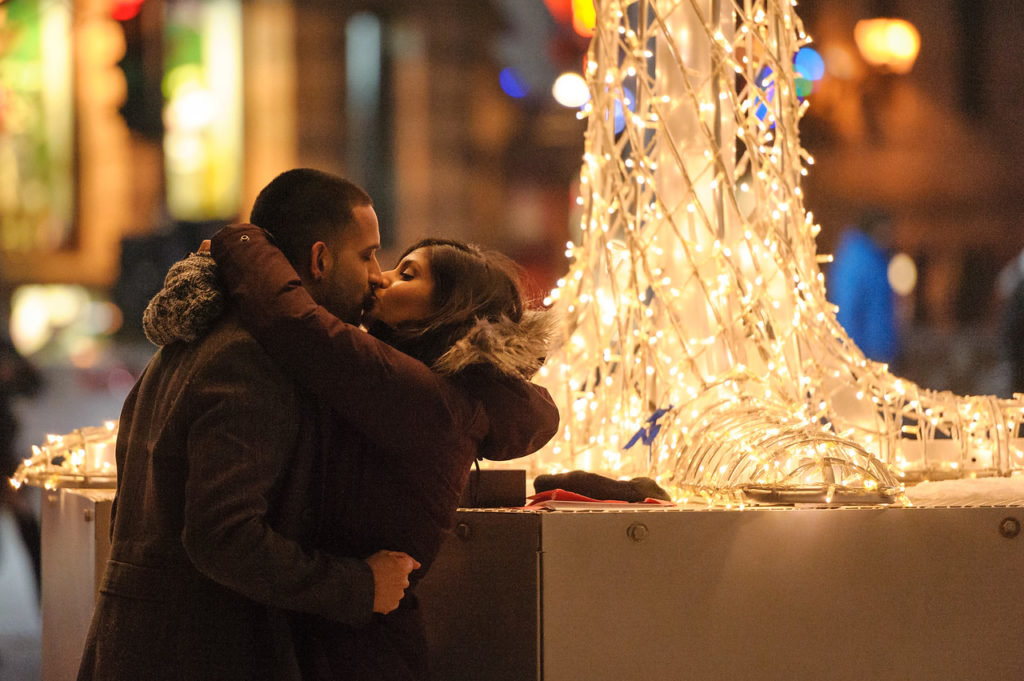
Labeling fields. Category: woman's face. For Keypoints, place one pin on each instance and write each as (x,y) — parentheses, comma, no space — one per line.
(405,294)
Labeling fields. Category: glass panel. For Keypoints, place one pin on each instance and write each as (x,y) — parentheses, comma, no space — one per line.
(203,111)
(36,126)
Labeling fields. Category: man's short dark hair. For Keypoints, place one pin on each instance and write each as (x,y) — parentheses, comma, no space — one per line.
(304,205)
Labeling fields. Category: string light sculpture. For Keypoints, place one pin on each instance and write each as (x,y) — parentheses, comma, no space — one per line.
(698,345)
(81,458)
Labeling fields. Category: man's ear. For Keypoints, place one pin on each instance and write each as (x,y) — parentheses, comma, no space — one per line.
(320,260)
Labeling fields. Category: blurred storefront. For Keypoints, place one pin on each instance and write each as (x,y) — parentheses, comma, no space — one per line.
(131,129)
(935,144)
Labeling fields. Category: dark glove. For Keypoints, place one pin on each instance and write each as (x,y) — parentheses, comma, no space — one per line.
(600,487)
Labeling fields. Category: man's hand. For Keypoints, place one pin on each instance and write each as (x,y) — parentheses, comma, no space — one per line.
(390,578)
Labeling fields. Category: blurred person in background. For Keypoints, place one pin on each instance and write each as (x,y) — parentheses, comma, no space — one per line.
(858,282)
(18,378)
(1011,334)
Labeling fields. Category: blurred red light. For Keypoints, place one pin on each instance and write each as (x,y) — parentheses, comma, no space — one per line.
(123,10)
(561,10)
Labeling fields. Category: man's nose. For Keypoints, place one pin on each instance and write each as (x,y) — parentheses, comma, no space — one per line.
(387,278)
(375,276)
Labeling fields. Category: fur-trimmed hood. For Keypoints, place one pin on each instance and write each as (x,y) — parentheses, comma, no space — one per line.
(192,300)
(513,348)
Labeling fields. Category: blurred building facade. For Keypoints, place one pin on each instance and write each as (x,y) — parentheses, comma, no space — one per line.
(181,110)
(937,148)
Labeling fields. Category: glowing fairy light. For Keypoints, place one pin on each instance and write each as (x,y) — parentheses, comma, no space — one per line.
(82,458)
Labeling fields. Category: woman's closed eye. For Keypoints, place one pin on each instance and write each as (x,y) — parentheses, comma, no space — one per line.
(407,271)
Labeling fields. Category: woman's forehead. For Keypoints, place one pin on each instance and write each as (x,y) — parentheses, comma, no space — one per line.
(420,256)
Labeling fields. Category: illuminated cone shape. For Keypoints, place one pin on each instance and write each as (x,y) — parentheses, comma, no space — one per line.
(698,345)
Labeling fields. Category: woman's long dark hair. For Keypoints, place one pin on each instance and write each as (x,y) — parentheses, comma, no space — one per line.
(470,284)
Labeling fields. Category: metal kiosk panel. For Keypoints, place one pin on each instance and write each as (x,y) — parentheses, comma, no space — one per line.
(759,595)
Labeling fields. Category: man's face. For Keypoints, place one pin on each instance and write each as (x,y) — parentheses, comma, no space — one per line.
(346,285)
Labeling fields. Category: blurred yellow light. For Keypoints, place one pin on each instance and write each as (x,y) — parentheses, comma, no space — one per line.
(888,43)
(185,151)
(570,89)
(584,17)
(30,323)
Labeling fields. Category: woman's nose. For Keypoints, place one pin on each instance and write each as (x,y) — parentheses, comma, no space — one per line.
(388,278)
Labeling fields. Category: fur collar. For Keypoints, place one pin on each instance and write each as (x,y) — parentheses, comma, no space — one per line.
(513,348)
(191,301)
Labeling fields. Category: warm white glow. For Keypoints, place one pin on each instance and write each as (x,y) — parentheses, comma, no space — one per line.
(902,274)
(192,111)
(698,346)
(40,310)
(571,90)
(83,457)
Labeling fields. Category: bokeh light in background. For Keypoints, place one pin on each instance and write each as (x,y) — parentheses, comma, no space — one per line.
(584,16)
(766,83)
(841,62)
(629,99)
(36,125)
(570,89)
(63,320)
(512,83)
(902,274)
(810,69)
(123,10)
(202,87)
(561,10)
(892,44)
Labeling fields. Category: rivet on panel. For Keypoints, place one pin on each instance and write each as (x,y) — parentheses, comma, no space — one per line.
(637,532)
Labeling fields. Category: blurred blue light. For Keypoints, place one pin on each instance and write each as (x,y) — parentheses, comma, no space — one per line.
(809,64)
(620,111)
(512,83)
(766,82)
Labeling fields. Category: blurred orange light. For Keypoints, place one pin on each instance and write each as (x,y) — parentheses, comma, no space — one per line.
(584,17)
(888,43)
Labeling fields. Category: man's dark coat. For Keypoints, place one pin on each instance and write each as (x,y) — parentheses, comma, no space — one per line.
(217,456)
